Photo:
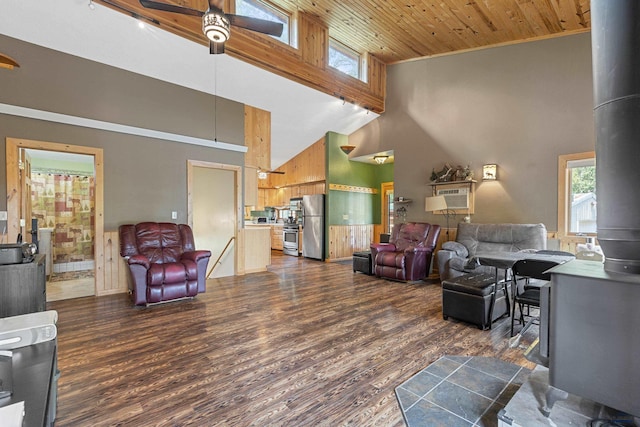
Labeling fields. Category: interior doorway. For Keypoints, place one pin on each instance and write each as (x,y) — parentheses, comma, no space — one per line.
(60,187)
(214,203)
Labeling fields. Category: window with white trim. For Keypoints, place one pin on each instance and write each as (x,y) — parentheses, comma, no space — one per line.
(345,59)
(264,10)
(577,200)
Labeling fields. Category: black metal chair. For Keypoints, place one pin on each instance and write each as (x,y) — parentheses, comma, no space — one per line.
(528,276)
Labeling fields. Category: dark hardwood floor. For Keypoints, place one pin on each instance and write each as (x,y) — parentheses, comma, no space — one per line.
(307,343)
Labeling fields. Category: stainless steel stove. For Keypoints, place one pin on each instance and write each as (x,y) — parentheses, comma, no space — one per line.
(290,237)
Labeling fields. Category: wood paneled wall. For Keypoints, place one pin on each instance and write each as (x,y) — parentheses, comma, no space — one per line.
(308,166)
(115,270)
(344,240)
(257,137)
(313,41)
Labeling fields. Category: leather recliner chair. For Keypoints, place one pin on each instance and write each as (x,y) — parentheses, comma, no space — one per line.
(408,255)
(163,262)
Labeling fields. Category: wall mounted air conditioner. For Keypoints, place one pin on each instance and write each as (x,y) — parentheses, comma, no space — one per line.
(457,198)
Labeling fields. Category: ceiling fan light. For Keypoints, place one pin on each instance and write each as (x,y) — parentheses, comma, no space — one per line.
(215,27)
(380,159)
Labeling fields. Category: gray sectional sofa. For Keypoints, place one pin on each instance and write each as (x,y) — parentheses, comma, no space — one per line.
(453,259)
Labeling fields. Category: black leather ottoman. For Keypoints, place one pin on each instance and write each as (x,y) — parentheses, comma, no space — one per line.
(469,298)
(362,262)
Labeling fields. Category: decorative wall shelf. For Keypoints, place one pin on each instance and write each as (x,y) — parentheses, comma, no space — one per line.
(463,182)
(403,201)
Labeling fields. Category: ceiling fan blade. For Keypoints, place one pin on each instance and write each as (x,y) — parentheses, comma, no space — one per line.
(150,4)
(216,48)
(254,24)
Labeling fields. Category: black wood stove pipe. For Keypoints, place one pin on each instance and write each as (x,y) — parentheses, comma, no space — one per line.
(615,32)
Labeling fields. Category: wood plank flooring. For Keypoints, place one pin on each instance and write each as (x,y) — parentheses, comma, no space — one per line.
(307,343)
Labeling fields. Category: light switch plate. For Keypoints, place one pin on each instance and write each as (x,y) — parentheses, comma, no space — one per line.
(3,215)
(174,215)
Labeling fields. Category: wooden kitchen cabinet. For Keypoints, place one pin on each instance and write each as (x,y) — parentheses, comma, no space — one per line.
(23,287)
(276,237)
(262,199)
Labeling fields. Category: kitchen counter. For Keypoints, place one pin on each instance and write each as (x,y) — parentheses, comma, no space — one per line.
(255,244)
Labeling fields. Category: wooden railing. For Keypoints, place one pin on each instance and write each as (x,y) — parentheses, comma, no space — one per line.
(215,264)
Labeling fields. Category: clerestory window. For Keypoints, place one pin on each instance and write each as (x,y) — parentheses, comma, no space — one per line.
(262,9)
(345,59)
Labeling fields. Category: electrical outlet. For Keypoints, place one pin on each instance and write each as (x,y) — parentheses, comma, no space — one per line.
(174,215)
(345,217)
(3,215)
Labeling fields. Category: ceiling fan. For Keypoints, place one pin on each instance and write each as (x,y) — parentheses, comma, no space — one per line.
(262,173)
(216,23)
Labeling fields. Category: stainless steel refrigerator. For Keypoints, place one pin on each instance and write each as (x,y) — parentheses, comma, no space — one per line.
(313,226)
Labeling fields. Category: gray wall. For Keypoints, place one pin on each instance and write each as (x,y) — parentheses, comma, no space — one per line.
(144,178)
(519,106)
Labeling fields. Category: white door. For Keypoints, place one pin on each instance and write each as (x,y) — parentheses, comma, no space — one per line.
(213,196)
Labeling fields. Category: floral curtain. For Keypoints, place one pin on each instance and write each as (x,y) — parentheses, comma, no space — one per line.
(65,203)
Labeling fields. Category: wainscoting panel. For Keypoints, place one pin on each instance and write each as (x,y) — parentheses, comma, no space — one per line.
(344,240)
(115,269)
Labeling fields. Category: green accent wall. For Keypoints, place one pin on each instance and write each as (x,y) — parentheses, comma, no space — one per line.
(351,208)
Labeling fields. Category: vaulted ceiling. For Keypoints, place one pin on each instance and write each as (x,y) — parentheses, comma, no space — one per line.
(389,30)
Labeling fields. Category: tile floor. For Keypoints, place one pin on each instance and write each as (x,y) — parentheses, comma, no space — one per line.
(523,409)
(69,285)
(460,391)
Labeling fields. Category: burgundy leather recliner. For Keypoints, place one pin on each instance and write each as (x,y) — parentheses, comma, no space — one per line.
(163,262)
(408,254)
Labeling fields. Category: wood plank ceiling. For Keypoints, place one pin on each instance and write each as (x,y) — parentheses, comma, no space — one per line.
(400,30)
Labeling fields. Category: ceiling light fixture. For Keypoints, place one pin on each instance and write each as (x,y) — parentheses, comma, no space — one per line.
(346,149)
(380,159)
(8,62)
(216,27)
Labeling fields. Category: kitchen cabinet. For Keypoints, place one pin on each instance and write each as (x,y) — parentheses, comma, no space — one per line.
(276,237)
(281,196)
(262,199)
(23,287)
(250,186)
